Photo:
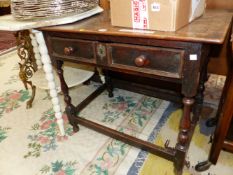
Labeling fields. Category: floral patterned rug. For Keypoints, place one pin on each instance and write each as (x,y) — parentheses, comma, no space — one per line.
(30,143)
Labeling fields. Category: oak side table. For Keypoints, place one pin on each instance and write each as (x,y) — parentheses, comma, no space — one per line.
(179,57)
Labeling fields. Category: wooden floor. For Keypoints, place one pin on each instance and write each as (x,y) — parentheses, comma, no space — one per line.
(7,40)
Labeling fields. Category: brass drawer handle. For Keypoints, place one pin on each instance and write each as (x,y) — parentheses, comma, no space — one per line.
(68,50)
(141,61)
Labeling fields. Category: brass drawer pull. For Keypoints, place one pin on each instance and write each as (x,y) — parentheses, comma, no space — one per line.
(68,50)
(141,61)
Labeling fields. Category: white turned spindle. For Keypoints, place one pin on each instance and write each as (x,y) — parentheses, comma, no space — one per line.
(36,50)
(45,59)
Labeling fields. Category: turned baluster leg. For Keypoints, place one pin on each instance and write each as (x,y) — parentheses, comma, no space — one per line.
(183,137)
(36,51)
(198,101)
(47,66)
(108,82)
(199,98)
(70,109)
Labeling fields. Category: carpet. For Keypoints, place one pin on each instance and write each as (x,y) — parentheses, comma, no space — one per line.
(30,143)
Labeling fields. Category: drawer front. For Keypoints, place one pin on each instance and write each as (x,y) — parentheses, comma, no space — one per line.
(151,60)
(80,50)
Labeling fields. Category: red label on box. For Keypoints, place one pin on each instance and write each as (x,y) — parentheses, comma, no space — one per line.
(140,14)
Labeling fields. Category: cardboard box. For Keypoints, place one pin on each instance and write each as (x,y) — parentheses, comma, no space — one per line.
(163,15)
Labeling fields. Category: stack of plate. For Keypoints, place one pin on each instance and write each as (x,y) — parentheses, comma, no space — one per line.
(73,75)
(37,9)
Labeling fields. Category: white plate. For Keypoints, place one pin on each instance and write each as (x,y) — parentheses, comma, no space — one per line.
(73,77)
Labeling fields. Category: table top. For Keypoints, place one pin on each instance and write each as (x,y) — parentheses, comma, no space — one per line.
(9,23)
(212,27)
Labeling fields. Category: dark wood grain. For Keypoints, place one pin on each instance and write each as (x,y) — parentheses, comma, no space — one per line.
(70,109)
(225,115)
(170,65)
(168,61)
(70,48)
(218,63)
(105,4)
(219,4)
(210,28)
(223,134)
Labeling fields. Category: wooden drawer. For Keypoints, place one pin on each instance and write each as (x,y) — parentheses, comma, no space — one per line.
(151,60)
(80,50)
